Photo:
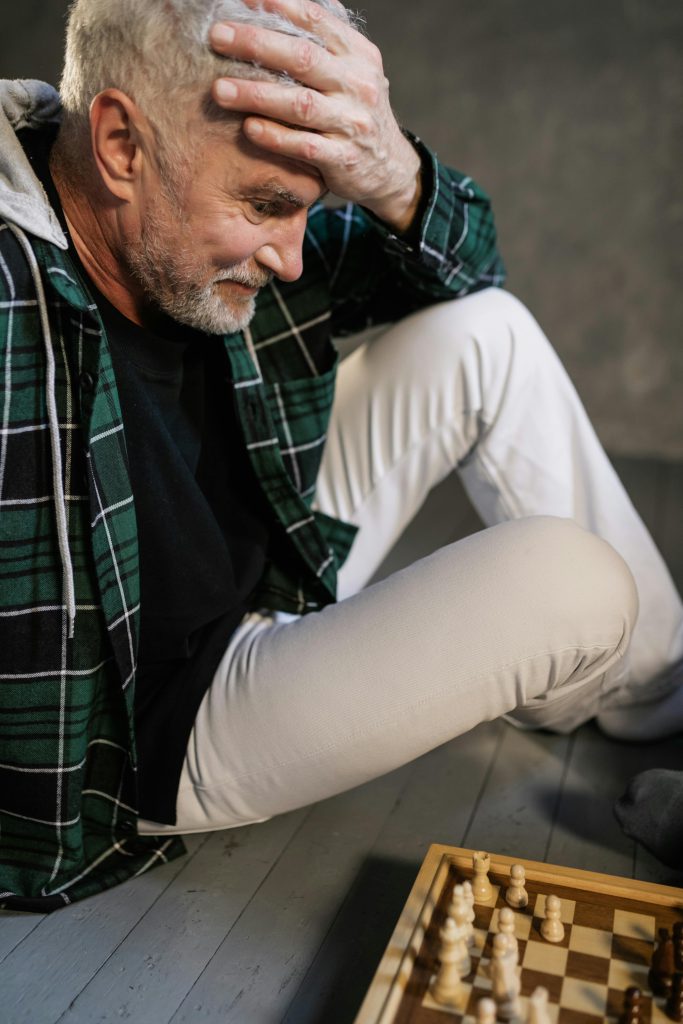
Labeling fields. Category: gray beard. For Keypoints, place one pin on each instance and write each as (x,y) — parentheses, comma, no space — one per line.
(168,275)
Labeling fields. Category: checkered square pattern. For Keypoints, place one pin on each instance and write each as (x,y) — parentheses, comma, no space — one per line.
(604,951)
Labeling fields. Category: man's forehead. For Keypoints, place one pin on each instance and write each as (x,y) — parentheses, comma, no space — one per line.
(256,167)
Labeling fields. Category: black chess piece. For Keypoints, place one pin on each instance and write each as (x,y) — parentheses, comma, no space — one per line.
(631,1013)
(660,975)
(674,1004)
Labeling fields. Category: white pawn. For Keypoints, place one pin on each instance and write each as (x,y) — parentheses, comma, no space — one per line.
(516,894)
(506,926)
(505,980)
(459,911)
(446,984)
(552,928)
(469,898)
(481,887)
(538,1007)
(486,1011)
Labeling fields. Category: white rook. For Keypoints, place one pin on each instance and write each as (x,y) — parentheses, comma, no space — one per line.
(481,887)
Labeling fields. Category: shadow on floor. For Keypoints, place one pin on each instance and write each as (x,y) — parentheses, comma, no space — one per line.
(339,977)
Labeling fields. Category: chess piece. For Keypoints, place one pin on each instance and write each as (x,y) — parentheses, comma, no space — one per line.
(506,926)
(469,899)
(516,895)
(446,984)
(552,928)
(481,887)
(538,1007)
(632,1011)
(660,975)
(505,980)
(486,1011)
(674,1004)
(459,912)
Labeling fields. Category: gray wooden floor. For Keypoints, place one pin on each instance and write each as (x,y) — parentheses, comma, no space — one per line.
(286,921)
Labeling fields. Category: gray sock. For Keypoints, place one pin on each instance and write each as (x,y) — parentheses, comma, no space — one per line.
(651,811)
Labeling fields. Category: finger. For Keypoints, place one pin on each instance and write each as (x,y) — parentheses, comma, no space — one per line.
(337,35)
(307,147)
(293,104)
(300,58)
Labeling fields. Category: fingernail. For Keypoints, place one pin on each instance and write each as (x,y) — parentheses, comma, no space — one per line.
(225,90)
(221,33)
(254,127)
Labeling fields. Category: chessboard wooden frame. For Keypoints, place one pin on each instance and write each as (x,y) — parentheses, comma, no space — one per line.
(381,1003)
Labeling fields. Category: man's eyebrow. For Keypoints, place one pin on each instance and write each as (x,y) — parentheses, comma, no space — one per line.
(274,190)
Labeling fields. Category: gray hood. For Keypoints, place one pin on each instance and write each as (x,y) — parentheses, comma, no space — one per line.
(26,209)
(26,103)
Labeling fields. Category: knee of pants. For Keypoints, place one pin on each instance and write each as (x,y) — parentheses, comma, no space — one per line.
(588,601)
(481,336)
(581,579)
(483,315)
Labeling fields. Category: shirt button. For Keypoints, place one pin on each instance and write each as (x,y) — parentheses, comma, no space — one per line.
(87,381)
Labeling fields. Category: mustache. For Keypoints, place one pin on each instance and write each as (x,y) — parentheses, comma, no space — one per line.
(252,277)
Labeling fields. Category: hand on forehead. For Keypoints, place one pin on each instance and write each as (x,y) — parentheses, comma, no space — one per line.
(335,113)
(320,34)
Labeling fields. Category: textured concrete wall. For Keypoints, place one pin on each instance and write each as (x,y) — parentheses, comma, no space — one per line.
(570,114)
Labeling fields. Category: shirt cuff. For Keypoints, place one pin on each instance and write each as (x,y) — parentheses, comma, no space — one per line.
(409,242)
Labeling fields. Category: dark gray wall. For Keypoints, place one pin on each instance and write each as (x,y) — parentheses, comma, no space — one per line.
(570,114)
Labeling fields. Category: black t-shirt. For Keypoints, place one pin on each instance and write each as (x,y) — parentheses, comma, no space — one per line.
(202,532)
(204,525)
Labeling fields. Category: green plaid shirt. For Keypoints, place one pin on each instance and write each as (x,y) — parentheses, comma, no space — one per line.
(67,751)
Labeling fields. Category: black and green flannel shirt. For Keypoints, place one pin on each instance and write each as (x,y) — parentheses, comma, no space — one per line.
(67,750)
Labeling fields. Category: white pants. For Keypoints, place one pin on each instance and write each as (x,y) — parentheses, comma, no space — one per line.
(532,616)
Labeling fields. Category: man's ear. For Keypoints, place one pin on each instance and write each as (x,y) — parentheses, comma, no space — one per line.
(121,137)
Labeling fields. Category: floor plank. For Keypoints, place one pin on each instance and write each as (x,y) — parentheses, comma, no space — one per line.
(287,921)
(435,806)
(515,811)
(585,833)
(259,965)
(153,969)
(59,957)
(14,928)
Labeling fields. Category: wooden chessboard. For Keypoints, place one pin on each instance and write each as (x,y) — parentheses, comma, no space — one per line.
(610,928)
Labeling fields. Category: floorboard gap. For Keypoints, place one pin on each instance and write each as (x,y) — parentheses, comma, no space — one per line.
(484,784)
(560,790)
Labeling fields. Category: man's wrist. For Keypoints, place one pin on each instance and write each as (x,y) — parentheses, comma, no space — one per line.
(398,210)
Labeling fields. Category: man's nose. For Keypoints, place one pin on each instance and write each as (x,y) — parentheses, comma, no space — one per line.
(283,252)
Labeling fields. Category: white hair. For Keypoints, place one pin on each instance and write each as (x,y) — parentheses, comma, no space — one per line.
(157,52)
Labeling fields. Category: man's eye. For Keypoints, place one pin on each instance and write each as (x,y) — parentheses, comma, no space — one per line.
(263,208)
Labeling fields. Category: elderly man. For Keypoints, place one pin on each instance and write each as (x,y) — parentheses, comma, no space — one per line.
(179,499)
